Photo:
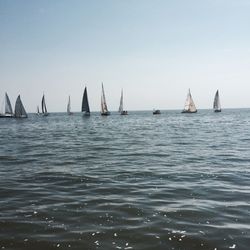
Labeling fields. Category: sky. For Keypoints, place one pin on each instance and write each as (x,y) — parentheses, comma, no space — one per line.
(155,50)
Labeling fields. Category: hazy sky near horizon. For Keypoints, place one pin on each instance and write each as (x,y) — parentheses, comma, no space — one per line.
(155,50)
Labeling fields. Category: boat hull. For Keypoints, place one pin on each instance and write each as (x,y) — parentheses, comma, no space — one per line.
(124,112)
(86,113)
(105,113)
(21,117)
(6,116)
(217,110)
(157,112)
(188,111)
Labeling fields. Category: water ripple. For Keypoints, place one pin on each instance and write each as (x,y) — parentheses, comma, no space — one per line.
(136,182)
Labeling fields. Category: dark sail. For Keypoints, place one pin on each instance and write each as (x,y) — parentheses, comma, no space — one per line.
(44,108)
(19,109)
(217,106)
(85,102)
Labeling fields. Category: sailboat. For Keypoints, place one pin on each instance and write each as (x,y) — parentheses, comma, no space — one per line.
(69,107)
(189,104)
(216,106)
(19,109)
(7,113)
(85,103)
(37,110)
(156,112)
(122,112)
(104,108)
(44,108)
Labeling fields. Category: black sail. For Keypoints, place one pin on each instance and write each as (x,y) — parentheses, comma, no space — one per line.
(19,109)
(85,102)
(44,108)
(216,105)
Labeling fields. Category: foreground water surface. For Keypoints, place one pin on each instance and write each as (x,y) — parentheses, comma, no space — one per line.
(170,181)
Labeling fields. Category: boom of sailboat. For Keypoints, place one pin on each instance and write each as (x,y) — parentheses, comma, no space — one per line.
(19,111)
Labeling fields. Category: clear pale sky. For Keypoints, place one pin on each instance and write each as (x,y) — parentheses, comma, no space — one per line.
(155,50)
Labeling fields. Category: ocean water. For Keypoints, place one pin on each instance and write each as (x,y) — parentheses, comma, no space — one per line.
(172,181)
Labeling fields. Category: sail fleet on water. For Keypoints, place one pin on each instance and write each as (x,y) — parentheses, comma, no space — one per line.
(20,112)
(7,111)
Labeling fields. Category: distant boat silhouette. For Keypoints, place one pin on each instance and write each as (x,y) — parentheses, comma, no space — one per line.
(104,108)
(19,109)
(217,106)
(7,111)
(156,112)
(85,103)
(69,107)
(44,108)
(122,112)
(37,110)
(189,104)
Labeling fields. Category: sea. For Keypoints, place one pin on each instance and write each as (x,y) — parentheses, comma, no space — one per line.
(141,181)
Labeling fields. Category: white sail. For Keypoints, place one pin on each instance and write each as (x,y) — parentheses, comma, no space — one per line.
(216,105)
(104,108)
(2,108)
(8,108)
(121,110)
(189,104)
(69,107)
(121,103)
(19,109)
(102,105)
